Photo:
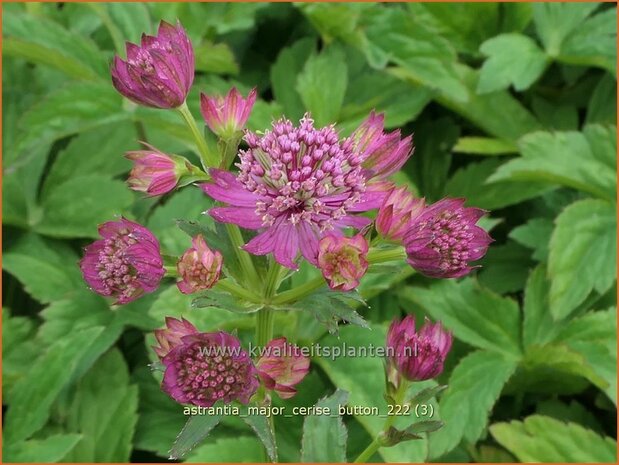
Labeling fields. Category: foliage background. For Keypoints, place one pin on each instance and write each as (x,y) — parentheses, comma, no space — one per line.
(512,106)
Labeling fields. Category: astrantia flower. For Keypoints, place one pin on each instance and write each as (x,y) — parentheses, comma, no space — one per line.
(125,263)
(154,172)
(207,367)
(172,334)
(342,260)
(444,239)
(159,73)
(199,267)
(227,115)
(417,356)
(282,366)
(295,184)
(396,215)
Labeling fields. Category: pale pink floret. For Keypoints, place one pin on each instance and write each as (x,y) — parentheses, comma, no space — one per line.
(209,367)
(444,239)
(396,215)
(171,336)
(159,72)
(297,184)
(282,367)
(199,267)
(417,355)
(153,172)
(227,115)
(343,260)
(125,263)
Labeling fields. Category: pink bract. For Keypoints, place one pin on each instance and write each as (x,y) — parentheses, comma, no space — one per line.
(282,366)
(171,336)
(153,173)
(227,115)
(396,215)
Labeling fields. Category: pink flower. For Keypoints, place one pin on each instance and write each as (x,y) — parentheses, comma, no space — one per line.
(154,172)
(159,73)
(342,260)
(207,367)
(395,216)
(227,115)
(295,185)
(171,335)
(282,366)
(417,356)
(125,263)
(444,239)
(199,267)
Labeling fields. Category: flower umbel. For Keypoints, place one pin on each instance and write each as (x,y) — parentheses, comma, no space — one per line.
(444,239)
(342,260)
(159,73)
(282,367)
(125,263)
(296,184)
(207,367)
(154,172)
(171,335)
(199,267)
(395,216)
(226,116)
(416,356)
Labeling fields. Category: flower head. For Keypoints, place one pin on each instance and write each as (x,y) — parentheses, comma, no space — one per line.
(159,73)
(199,267)
(295,184)
(420,355)
(172,334)
(282,367)
(226,116)
(395,216)
(444,239)
(342,260)
(207,367)
(154,172)
(125,263)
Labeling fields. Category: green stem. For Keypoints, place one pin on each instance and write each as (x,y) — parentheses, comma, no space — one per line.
(228,149)
(207,158)
(264,326)
(299,292)
(378,441)
(238,291)
(386,255)
(247,265)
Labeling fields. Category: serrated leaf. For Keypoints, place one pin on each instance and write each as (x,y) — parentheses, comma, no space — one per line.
(261,425)
(513,59)
(224,300)
(427,394)
(544,439)
(195,431)
(474,387)
(602,107)
(324,436)
(587,229)
(476,315)
(52,449)
(538,326)
(535,234)
(229,450)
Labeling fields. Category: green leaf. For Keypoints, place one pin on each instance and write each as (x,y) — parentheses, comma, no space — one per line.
(261,425)
(48,375)
(104,412)
(513,59)
(544,439)
(476,315)
(581,160)
(556,116)
(40,40)
(324,436)
(225,301)
(47,269)
(473,388)
(229,450)
(75,207)
(215,58)
(52,449)
(538,326)
(584,245)
(602,107)
(131,19)
(322,85)
(484,146)
(195,431)
(505,268)
(535,234)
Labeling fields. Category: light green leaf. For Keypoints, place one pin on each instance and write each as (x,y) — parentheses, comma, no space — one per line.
(484,146)
(104,412)
(229,450)
(513,59)
(581,160)
(476,315)
(602,107)
(583,252)
(75,208)
(195,431)
(322,85)
(215,58)
(261,425)
(52,449)
(34,394)
(535,234)
(544,439)
(324,436)
(473,388)
(538,327)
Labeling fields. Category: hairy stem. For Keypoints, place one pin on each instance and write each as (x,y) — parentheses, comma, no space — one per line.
(207,158)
